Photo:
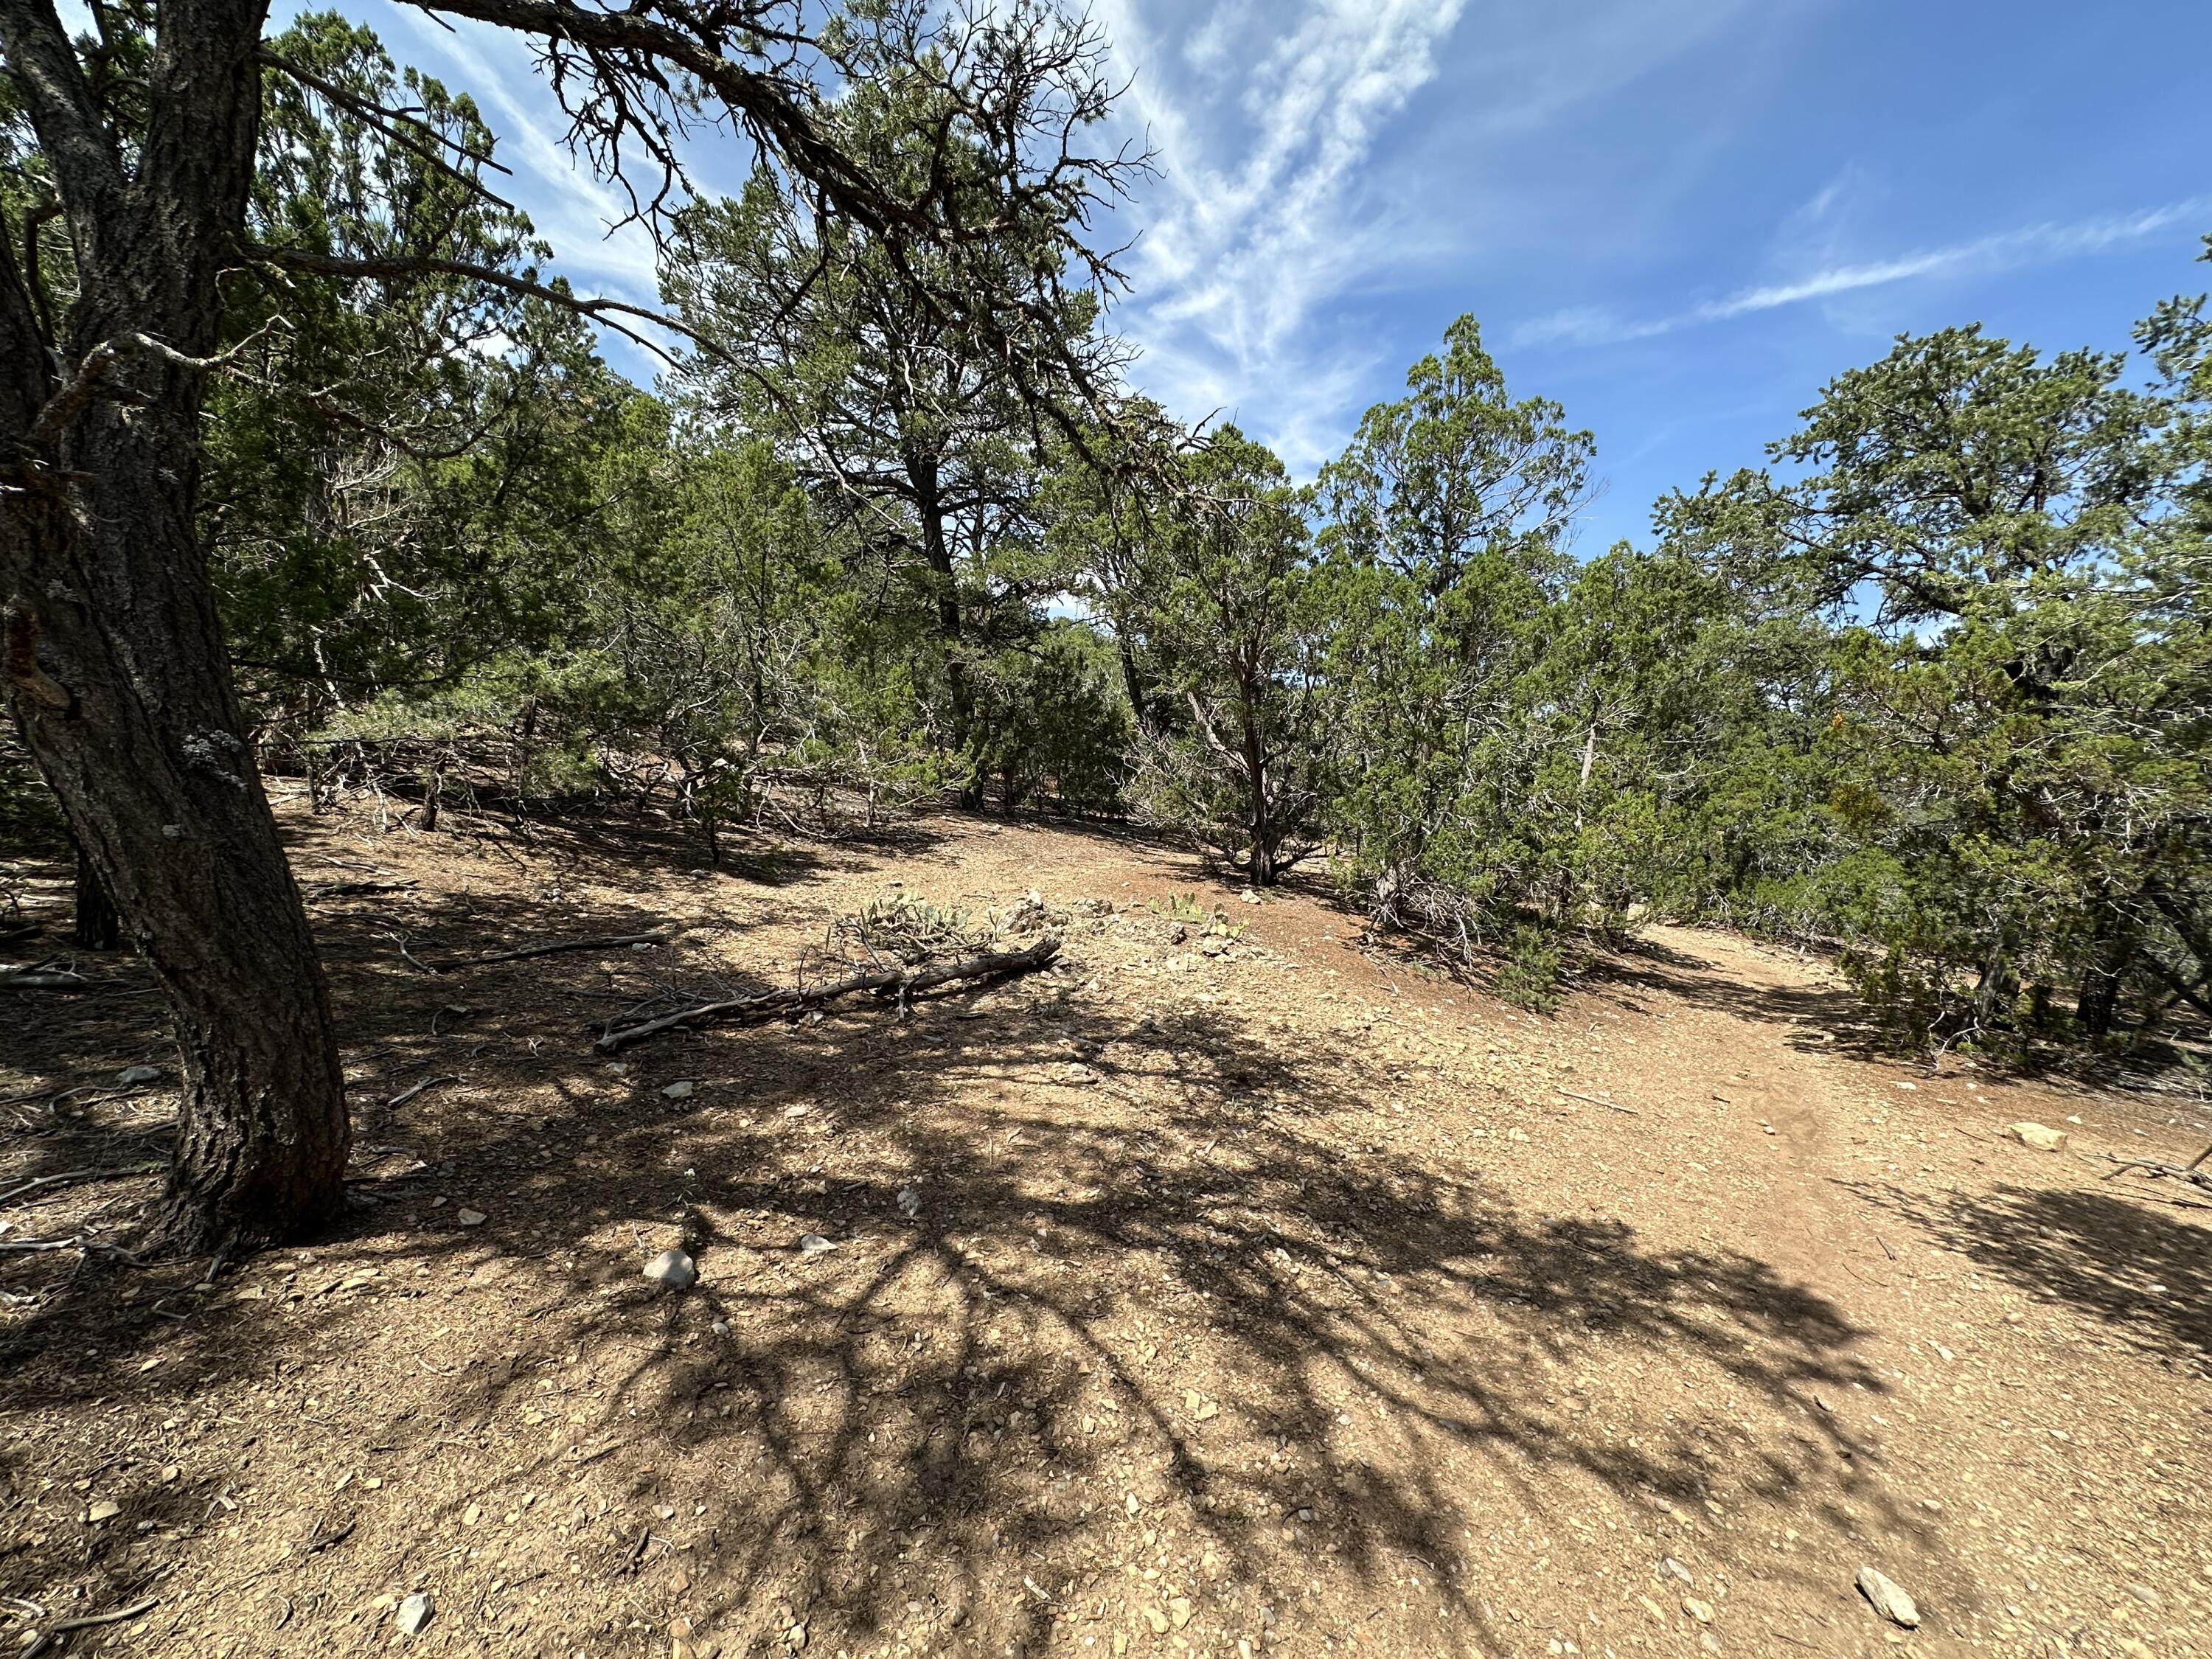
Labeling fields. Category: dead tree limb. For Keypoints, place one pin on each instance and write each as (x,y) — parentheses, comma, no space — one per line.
(46,1640)
(67,1176)
(1610,1105)
(616,942)
(408,1094)
(35,979)
(2192,1174)
(900,982)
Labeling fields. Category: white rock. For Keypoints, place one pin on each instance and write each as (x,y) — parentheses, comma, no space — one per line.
(1888,1598)
(814,1244)
(105,1510)
(131,1074)
(470,1217)
(672,1270)
(2037,1135)
(678,1090)
(910,1201)
(415,1612)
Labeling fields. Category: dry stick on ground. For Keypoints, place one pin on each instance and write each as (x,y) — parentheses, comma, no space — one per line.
(1610,1105)
(52,1633)
(2192,1172)
(32,981)
(609,944)
(902,982)
(408,1094)
(68,1175)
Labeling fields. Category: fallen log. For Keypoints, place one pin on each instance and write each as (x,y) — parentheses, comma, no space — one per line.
(617,941)
(902,982)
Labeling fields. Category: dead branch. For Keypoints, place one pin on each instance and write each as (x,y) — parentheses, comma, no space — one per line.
(353,889)
(409,1093)
(53,1633)
(68,1175)
(1610,1105)
(35,979)
(902,983)
(2193,1173)
(617,941)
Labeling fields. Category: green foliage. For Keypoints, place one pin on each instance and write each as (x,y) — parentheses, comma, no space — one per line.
(2017,683)
(908,931)
(1194,912)
(1528,976)
(1226,627)
(1934,688)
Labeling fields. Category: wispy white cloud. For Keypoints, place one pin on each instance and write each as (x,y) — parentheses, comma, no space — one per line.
(2039,244)
(1263,123)
(1317,155)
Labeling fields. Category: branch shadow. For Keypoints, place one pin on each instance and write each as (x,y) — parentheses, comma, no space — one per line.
(1173,1302)
(2145,1273)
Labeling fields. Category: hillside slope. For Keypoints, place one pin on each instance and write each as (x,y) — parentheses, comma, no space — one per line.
(1261,1294)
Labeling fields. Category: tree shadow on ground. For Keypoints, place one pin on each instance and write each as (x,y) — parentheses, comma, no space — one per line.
(1175,1291)
(1819,1019)
(2145,1273)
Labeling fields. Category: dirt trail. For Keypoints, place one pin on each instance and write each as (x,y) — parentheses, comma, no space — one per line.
(1264,1294)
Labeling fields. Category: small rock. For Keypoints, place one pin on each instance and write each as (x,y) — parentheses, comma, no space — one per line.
(470,1217)
(131,1074)
(1675,1568)
(1888,1598)
(2040,1136)
(814,1244)
(910,1201)
(672,1270)
(416,1614)
(1516,1134)
(105,1510)
(679,1091)
(1158,1621)
(1700,1611)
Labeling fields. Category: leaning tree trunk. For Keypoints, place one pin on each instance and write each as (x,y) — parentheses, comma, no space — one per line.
(115,669)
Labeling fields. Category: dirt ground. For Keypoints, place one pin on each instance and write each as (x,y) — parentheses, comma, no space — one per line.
(1265,1297)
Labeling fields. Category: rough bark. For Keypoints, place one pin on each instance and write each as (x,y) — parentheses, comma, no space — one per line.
(2097,1003)
(98,928)
(951,627)
(117,673)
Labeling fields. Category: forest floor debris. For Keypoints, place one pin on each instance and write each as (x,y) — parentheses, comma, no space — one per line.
(1291,1300)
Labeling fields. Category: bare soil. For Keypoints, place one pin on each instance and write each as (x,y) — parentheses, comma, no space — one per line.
(1286,1300)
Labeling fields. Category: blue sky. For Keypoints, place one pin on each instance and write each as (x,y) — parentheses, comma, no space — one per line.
(1677,217)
